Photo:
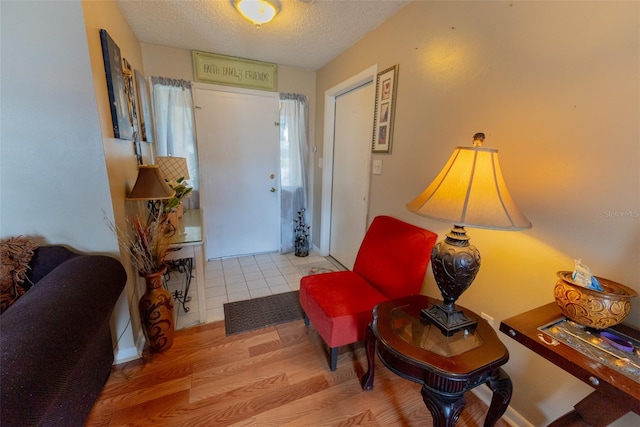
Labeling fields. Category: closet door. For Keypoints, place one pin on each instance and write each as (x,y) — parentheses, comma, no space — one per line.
(238,150)
(351,158)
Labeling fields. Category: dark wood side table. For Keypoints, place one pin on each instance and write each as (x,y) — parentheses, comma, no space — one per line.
(615,394)
(447,367)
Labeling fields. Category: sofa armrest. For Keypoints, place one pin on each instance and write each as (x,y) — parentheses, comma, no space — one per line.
(47,339)
(45,259)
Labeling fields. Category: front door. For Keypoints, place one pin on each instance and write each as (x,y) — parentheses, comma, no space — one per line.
(238,151)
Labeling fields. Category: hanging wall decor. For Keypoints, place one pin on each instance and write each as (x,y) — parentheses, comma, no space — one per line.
(384,112)
(232,71)
(122,127)
(130,90)
(145,125)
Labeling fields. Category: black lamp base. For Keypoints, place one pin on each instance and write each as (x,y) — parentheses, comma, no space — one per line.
(455,264)
(449,321)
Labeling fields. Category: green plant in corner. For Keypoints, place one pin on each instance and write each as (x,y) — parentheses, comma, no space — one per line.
(182,191)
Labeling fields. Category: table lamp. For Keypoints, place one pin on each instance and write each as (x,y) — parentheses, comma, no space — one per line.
(152,187)
(468,191)
(173,168)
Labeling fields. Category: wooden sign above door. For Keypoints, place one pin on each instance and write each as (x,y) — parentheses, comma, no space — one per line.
(232,71)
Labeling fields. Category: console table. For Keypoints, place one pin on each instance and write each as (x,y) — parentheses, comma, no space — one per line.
(447,367)
(615,394)
(187,244)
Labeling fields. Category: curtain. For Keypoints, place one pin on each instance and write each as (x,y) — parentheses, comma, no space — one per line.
(293,165)
(174,127)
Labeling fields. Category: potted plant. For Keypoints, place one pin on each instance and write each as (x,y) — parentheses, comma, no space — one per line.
(182,190)
(146,242)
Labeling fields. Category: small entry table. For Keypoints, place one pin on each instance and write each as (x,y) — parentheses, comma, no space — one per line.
(447,367)
(185,250)
(615,394)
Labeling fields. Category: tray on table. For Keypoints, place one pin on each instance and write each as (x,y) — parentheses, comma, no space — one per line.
(591,343)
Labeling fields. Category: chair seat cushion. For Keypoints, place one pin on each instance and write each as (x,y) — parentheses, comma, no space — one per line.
(340,305)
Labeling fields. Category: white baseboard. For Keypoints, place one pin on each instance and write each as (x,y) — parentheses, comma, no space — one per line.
(125,355)
(317,250)
(511,416)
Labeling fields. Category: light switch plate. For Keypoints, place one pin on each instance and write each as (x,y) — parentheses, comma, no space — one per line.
(376,168)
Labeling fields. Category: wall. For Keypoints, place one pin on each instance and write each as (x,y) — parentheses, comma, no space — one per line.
(55,183)
(54,180)
(555,87)
(119,155)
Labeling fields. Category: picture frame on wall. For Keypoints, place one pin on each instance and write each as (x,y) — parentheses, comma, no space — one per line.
(144,102)
(130,89)
(384,111)
(118,97)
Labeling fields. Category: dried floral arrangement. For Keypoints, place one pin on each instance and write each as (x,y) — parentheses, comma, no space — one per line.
(145,241)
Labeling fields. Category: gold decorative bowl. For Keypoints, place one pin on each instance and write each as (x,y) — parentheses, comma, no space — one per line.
(591,308)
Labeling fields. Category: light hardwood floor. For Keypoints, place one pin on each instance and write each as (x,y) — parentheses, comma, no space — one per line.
(277,376)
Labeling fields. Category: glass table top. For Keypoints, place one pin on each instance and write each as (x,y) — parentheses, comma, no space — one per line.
(189,228)
(423,334)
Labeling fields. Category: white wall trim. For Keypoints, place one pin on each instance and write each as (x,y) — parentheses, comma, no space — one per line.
(233,89)
(511,416)
(363,77)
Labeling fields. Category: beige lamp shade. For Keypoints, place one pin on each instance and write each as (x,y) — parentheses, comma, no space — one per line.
(470,191)
(150,185)
(173,168)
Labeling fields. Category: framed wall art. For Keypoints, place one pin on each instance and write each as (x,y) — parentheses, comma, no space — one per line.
(144,118)
(122,127)
(233,71)
(384,112)
(130,89)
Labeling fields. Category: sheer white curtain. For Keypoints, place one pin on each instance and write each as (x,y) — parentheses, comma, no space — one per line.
(174,127)
(293,164)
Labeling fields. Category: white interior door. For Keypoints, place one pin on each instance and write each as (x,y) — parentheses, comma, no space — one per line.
(238,151)
(351,159)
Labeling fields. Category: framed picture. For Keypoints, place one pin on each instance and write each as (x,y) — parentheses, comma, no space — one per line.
(130,89)
(122,127)
(144,120)
(384,112)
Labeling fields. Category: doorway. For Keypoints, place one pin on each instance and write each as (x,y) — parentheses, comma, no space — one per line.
(347,153)
(238,148)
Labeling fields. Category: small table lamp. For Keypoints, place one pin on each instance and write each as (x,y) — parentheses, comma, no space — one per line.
(173,168)
(152,187)
(468,191)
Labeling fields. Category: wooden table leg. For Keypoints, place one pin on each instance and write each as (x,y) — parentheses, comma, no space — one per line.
(370,347)
(445,408)
(502,389)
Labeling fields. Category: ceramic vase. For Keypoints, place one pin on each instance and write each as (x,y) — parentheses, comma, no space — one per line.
(156,313)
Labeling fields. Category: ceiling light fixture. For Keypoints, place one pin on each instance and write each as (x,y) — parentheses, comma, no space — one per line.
(257,11)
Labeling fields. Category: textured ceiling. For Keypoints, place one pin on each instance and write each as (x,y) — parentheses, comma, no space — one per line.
(305,33)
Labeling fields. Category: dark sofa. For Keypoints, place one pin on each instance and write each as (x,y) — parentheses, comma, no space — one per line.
(55,339)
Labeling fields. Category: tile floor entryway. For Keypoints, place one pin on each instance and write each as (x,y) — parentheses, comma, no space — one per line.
(246,277)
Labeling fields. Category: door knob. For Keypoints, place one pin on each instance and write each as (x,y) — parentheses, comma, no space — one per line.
(273,189)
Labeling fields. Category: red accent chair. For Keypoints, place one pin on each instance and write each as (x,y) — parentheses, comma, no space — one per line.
(391,263)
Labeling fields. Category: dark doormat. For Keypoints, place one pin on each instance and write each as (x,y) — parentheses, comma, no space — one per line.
(249,315)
